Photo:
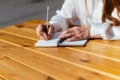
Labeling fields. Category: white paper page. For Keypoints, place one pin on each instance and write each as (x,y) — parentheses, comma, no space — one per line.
(49,43)
(74,43)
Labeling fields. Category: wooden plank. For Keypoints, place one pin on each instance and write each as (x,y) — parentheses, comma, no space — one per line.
(1,78)
(73,53)
(12,70)
(58,69)
(32,24)
(24,32)
(105,51)
(13,38)
(110,43)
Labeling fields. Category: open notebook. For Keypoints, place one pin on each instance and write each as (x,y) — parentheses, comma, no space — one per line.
(54,42)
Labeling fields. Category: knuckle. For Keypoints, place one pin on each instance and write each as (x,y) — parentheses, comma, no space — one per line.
(71,34)
(40,25)
(65,31)
(79,31)
(74,38)
(75,27)
(68,31)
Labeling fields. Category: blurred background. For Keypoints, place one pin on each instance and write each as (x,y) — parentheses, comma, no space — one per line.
(17,11)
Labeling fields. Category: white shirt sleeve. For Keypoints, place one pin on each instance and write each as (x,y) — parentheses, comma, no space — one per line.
(105,31)
(64,17)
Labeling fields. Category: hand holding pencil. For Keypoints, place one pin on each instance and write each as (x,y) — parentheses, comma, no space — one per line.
(45,31)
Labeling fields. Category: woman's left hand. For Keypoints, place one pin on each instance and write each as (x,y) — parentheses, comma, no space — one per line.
(76,33)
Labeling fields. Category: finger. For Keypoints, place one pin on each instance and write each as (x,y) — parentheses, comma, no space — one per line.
(68,35)
(82,36)
(41,34)
(72,39)
(44,35)
(41,38)
(39,29)
(66,32)
(50,32)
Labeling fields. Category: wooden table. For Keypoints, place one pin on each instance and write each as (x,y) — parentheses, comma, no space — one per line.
(20,60)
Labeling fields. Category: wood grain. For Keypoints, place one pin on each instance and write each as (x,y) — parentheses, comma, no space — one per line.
(1,78)
(32,24)
(98,60)
(55,67)
(16,41)
(24,32)
(12,70)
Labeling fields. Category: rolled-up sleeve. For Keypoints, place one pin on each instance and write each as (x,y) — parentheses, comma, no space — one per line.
(105,31)
(64,17)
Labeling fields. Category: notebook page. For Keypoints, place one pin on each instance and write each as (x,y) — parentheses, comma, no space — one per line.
(49,43)
(74,43)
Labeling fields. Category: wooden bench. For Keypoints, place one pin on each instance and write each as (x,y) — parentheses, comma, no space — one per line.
(20,60)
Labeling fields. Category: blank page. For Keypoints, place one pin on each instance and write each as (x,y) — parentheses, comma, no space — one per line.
(49,43)
(74,43)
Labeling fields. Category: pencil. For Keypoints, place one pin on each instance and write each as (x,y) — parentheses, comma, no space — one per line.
(47,18)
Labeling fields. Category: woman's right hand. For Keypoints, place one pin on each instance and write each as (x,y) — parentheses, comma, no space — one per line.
(44,33)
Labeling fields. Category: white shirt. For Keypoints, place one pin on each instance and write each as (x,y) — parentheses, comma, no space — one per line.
(89,12)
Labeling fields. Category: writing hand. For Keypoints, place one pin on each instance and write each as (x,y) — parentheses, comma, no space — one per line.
(44,33)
